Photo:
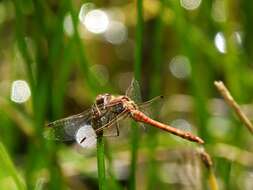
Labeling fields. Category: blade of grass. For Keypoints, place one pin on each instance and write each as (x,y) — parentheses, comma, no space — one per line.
(95,88)
(92,81)
(137,74)
(155,91)
(134,151)
(61,82)
(9,167)
(43,37)
(112,181)
(20,36)
(139,41)
(212,181)
(17,116)
(101,162)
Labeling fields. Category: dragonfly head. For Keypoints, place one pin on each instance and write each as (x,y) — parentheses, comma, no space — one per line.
(103,99)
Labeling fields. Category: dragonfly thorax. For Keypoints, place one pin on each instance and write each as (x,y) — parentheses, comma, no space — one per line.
(118,108)
(128,103)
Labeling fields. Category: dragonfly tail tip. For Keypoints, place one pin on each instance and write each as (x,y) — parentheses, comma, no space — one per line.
(200,141)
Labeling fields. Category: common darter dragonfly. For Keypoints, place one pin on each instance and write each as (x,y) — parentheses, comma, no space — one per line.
(105,113)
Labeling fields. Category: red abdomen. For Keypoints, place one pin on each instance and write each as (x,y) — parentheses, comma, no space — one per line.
(141,117)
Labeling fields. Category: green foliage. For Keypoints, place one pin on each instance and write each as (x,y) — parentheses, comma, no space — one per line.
(66,66)
(9,170)
(101,163)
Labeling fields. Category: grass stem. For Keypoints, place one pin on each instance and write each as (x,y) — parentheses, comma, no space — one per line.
(101,162)
(155,90)
(137,75)
(208,163)
(9,167)
(233,104)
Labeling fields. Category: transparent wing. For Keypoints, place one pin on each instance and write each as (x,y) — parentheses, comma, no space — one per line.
(134,91)
(65,129)
(152,107)
(112,131)
(113,121)
(154,100)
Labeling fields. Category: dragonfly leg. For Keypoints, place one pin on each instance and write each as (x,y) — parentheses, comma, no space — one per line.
(99,112)
(117,128)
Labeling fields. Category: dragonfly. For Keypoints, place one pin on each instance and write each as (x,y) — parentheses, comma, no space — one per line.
(105,113)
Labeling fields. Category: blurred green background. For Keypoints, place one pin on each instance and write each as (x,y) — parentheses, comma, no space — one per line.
(56,56)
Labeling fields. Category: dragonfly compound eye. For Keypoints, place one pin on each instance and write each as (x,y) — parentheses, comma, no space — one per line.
(103,99)
(100,99)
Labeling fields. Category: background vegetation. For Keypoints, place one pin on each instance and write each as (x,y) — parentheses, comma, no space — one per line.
(176,48)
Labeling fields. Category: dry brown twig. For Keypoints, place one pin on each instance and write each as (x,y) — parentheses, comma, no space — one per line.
(207,161)
(233,104)
(205,158)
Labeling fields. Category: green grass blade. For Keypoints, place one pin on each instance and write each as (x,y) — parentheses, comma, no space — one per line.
(9,167)
(101,162)
(155,90)
(139,41)
(137,75)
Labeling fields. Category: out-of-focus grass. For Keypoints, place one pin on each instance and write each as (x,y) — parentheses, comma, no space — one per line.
(8,169)
(135,134)
(155,90)
(57,66)
(95,88)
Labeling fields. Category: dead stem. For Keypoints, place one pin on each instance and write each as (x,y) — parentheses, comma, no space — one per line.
(205,158)
(233,104)
(207,161)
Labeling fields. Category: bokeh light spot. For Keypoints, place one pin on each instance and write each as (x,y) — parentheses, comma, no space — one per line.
(101,72)
(2,13)
(219,127)
(96,21)
(86,136)
(219,11)
(20,91)
(190,4)
(85,8)
(237,37)
(220,42)
(68,25)
(180,67)
(116,33)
